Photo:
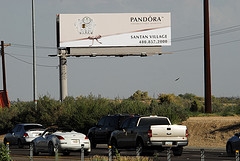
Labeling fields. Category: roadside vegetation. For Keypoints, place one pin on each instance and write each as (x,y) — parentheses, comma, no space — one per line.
(83,112)
(4,153)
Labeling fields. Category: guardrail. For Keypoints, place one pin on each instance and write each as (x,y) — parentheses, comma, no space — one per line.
(111,154)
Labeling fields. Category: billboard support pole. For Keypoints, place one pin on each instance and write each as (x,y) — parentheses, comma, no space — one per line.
(63,73)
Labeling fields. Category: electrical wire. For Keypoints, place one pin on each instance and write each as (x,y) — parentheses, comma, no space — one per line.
(213,33)
(189,49)
(184,38)
(179,39)
(30,46)
(29,62)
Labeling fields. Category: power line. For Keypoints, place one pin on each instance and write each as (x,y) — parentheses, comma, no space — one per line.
(24,55)
(29,62)
(183,38)
(179,39)
(30,46)
(200,47)
(213,33)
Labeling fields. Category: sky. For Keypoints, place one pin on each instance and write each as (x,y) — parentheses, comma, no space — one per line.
(114,77)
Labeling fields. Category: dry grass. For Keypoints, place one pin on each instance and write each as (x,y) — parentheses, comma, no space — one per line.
(212,131)
(120,158)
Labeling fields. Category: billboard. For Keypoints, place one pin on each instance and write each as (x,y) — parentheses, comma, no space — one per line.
(114,30)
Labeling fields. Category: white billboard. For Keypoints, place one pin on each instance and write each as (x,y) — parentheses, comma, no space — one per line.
(114,30)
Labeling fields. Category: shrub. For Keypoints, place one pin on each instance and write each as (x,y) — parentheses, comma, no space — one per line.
(4,153)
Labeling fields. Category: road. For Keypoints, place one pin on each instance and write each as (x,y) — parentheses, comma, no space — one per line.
(192,154)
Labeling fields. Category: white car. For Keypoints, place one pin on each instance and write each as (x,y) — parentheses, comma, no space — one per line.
(64,140)
(23,134)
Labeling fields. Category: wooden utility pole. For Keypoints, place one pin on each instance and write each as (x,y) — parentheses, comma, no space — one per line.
(207,68)
(4,101)
(3,67)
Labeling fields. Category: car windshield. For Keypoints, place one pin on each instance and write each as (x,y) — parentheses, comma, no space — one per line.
(31,127)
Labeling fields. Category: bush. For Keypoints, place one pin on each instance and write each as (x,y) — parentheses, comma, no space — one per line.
(83,112)
(4,153)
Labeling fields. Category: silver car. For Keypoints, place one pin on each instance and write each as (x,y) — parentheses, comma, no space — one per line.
(23,134)
(62,139)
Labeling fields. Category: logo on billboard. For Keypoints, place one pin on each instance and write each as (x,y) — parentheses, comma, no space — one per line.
(85,25)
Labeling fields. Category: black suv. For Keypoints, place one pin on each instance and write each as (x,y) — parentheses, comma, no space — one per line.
(100,134)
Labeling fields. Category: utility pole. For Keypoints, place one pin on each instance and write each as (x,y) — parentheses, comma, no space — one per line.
(3,66)
(34,56)
(207,66)
(4,96)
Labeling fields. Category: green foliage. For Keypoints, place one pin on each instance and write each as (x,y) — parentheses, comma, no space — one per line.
(83,112)
(132,107)
(140,95)
(166,98)
(4,153)
(47,112)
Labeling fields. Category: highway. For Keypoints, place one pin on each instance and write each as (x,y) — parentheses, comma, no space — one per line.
(189,153)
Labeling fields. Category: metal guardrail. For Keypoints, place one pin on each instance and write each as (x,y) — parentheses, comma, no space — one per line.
(110,153)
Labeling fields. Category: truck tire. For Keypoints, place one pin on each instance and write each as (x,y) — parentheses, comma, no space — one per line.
(114,147)
(139,148)
(5,141)
(177,151)
(93,144)
(229,149)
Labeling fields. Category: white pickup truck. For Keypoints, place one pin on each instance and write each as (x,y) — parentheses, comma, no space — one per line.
(149,134)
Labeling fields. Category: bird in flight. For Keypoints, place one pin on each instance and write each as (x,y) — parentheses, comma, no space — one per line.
(177,79)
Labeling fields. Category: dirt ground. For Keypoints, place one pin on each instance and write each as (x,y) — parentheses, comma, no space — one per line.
(208,131)
(211,131)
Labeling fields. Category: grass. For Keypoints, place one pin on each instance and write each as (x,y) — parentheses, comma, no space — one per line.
(121,158)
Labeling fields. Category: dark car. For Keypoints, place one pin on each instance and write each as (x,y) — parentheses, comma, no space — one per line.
(233,144)
(100,133)
(23,134)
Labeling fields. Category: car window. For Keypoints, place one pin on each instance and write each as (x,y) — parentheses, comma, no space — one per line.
(29,127)
(19,128)
(101,122)
(125,123)
(111,121)
(153,121)
(133,122)
(15,128)
(121,119)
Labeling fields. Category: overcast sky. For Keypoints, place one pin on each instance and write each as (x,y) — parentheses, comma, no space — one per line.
(113,77)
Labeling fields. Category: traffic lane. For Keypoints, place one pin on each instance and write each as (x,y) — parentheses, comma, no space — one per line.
(188,154)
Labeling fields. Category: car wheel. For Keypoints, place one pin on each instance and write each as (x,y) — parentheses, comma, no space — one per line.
(51,148)
(93,144)
(86,153)
(139,148)
(20,145)
(114,147)
(229,149)
(35,152)
(177,151)
(5,141)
